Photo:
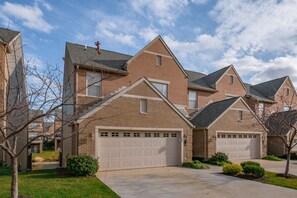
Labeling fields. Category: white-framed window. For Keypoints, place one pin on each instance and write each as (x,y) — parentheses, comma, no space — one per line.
(261,110)
(231,80)
(115,134)
(288,91)
(104,134)
(143,106)
(286,108)
(234,136)
(165,134)
(126,134)
(93,80)
(159,60)
(161,87)
(193,99)
(156,134)
(136,134)
(147,135)
(229,136)
(173,135)
(240,115)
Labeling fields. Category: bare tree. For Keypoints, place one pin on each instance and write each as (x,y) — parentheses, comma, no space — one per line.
(282,125)
(25,88)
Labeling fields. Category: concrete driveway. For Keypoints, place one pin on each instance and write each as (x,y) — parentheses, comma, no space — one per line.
(274,166)
(177,182)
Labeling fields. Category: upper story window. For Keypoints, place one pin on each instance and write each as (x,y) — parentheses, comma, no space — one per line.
(240,116)
(93,84)
(159,60)
(192,99)
(288,91)
(161,87)
(261,110)
(231,80)
(143,106)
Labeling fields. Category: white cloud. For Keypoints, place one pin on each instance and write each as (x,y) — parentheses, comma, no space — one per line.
(44,4)
(30,16)
(200,1)
(164,11)
(148,34)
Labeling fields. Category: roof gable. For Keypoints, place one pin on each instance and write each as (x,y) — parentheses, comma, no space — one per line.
(96,107)
(270,88)
(158,38)
(212,112)
(7,35)
(279,123)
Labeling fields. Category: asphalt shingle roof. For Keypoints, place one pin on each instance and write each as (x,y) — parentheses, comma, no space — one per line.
(211,112)
(202,81)
(88,56)
(279,123)
(256,94)
(6,35)
(268,89)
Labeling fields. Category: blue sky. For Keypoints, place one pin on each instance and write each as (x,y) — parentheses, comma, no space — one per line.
(258,37)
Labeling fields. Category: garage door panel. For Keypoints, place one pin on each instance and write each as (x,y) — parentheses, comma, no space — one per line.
(122,152)
(239,146)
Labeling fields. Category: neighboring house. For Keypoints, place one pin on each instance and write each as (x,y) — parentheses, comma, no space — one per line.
(13,91)
(279,126)
(219,85)
(58,129)
(35,129)
(228,126)
(276,95)
(136,106)
(49,129)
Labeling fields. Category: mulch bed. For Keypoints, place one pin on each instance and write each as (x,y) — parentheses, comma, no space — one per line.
(290,176)
(251,177)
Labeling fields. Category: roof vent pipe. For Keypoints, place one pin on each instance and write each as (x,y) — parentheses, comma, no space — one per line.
(86,47)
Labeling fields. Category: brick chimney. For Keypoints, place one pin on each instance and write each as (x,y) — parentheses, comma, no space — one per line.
(97,43)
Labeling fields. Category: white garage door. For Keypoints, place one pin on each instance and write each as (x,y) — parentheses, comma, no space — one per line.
(239,146)
(126,150)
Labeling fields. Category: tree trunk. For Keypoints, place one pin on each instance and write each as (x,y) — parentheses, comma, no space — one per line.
(288,163)
(14,178)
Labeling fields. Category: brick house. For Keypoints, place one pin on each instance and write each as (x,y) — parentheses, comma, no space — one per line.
(112,104)
(140,105)
(228,126)
(12,91)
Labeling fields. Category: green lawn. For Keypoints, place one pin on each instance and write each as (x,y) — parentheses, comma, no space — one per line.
(47,155)
(280,181)
(46,183)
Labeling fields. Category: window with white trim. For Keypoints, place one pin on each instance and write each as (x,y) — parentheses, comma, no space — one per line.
(104,134)
(193,99)
(165,134)
(161,87)
(147,135)
(156,134)
(136,134)
(159,60)
(261,110)
(126,134)
(173,135)
(143,106)
(115,134)
(288,91)
(231,80)
(93,84)
(240,115)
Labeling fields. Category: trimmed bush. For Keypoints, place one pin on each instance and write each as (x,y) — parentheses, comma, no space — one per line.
(243,164)
(232,169)
(256,171)
(195,164)
(219,159)
(272,158)
(82,165)
(293,156)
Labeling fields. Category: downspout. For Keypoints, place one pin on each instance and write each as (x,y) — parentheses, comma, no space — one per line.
(205,143)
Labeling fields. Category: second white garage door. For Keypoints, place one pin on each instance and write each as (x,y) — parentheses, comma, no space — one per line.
(127,150)
(239,146)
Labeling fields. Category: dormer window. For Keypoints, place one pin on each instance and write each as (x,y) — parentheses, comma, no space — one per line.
(231,80)
(159,60)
